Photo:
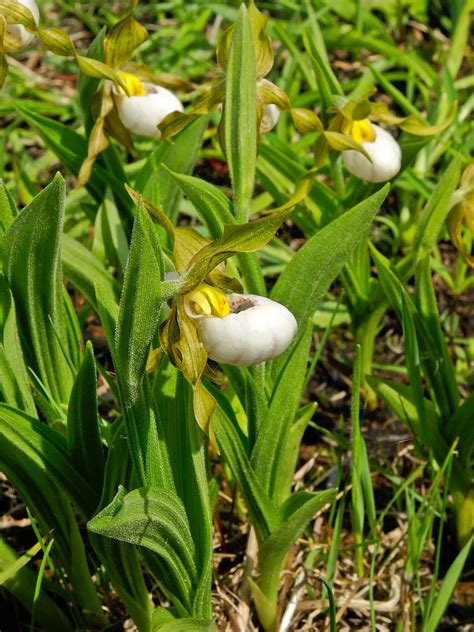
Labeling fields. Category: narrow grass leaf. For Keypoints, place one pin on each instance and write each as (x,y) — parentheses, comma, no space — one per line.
(22,585)
(447,588)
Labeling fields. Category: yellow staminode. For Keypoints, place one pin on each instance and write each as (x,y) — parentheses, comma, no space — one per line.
(133,84)
(209,301)
(361,131)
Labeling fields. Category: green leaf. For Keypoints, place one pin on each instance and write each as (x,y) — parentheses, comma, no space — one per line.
(327,83)
(450,582)
(188,457)
(271,447)
(460,39)
(32,458)
(240,114)
(460,425)
(235,239)
(186,625)
(19,563)
(287,466)
(155,183)
(155,519)
(137,324)
(85,271)
(14,380)
(294,515)
(22,585)
(430,356)
(121,559)
(261,508)
(214,208)
(309,274)
(436,210)
(110,242)
(8,210)
(33,270)
(83,433)
(425,299)
(48,449)
(71,149)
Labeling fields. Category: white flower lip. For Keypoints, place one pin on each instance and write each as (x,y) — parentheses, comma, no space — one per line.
(17,34)
(142,114)
(386,158)
(256,330)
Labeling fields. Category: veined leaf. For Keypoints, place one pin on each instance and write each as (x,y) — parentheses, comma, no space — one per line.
(48,449)
(294,515)
(33,270)
(236,238)
(34,465)
(154,519)
(71,149)
(240,114)
(309,274)
(188,452)
(272,440)
(436,210)
(83,434)
(120,558)
(155,183)
(84,270)
(137,324)
(214,208)
(260,506)
(14,380)
(8,210)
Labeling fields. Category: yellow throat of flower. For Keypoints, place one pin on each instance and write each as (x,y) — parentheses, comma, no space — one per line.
(133,84)
(361,131)
(208,301)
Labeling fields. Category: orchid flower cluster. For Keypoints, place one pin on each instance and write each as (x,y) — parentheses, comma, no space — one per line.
(231,328)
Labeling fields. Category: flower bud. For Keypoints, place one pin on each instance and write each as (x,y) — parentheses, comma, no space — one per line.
(255,330)
(148,105)
(383,150)
(16,36)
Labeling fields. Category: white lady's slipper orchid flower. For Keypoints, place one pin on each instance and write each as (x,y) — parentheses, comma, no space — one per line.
(270,117)
(16,36)
(245,330)
(382,148)
(146,107)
